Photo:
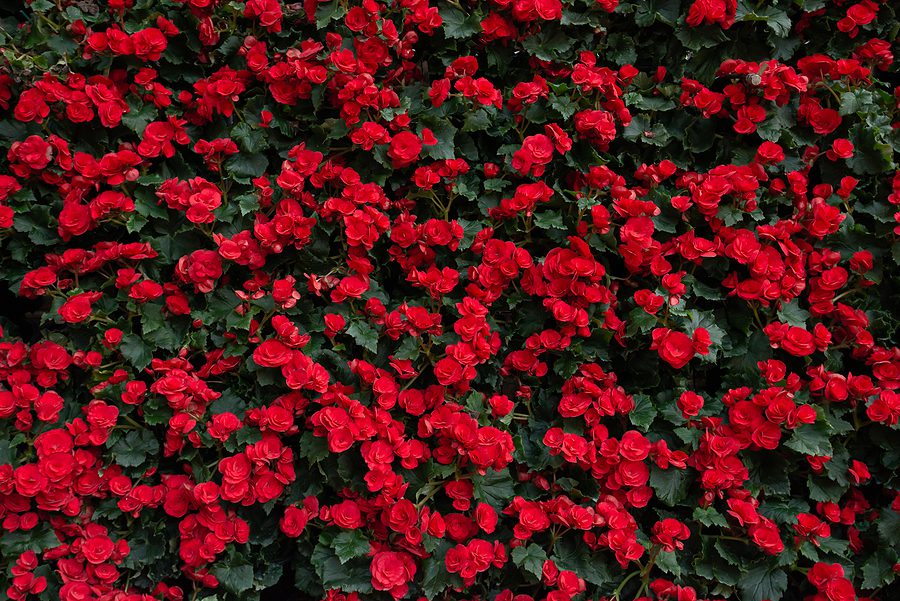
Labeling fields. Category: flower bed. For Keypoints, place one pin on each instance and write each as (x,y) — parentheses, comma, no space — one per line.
(512,300)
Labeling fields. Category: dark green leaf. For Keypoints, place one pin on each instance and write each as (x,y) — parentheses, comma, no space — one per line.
(246,165)
(531,558)
(763,581)
(494,488)
(458,25)
(878,570)
(644,412)
(670,485)
(134,449)
(811,439)
(710,517)
(136,351)
(235,578)
(349,544)
(364,335)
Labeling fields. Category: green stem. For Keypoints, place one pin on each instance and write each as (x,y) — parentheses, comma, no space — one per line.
(618,592)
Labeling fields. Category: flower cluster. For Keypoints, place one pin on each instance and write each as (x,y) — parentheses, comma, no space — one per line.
(501,300)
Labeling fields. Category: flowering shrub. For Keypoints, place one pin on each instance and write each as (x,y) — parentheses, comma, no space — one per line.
(510,300)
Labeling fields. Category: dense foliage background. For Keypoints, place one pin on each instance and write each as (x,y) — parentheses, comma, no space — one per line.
(509,300)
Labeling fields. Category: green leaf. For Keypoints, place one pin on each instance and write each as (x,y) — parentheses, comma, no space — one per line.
(811,439)
(37,222)
(710,517)
(563,105)
(779,22)
(331,11)
(137,119)
(757,349)
(878,570)
(822,489)
(313,447)
(881,211)
(352,576)
(711,565)
(571,554)
(552,43)
(251,139)
(642,129)
(364,335)
(548,220)
(697,38)
(779,120)
(643,413)
(870,154)
(640,321)
(246,165)
(13,130)
(435,577)
(889,527)
(783,511)
(571,17)
(478,120)
(649,11)
(763,581)
(135,351)
(63,45)
(768,473)
(531,559)
(235,578)
(349,544)
(494,488)
(668,563)
(621,50)
(705,291)
(159,332)
(791,313)
(445,133)
(731,551)
(38,539)
(849,104)
(408,349)
(707,320)
(222,303)
(670,485)
(458,24)
(133,449)
(8,447)
(247,203)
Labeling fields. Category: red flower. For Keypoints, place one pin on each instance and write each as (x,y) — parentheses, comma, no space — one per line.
(294,521)
(669,534)
(712,12)
(676,348)
(392,571)
(690,403)
(97,549)
(78,307)
(149,44)
(334,323)
(536,152)
(404,149)
(765,534)
(272,353)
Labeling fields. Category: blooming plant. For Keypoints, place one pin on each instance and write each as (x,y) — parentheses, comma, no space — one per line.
(504,300)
